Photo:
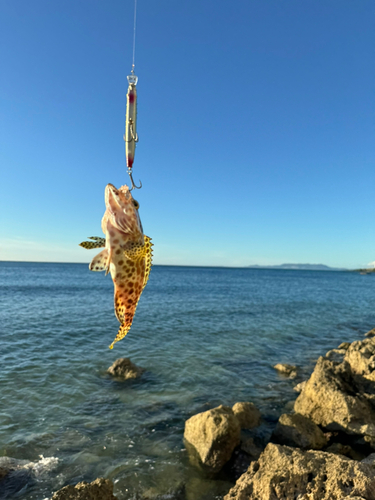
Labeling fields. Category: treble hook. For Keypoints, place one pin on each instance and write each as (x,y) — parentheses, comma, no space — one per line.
(131,180)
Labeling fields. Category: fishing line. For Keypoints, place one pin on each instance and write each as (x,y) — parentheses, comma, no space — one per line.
(135,24)
(131,136)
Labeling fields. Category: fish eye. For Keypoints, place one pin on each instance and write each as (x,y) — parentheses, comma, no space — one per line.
(136,204)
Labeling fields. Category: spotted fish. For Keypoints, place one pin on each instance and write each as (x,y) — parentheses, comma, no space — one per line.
(127,254)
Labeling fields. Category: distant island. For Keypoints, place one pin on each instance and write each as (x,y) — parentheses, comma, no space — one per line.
(302,267)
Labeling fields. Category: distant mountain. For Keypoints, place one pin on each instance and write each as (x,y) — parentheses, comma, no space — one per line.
(304,267)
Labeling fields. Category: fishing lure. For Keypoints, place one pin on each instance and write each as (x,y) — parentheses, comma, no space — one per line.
(131,136)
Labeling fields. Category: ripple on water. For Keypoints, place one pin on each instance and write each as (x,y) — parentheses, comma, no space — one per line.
(205,336)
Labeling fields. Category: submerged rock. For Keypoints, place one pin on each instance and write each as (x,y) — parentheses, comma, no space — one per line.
(124,369)
(247,414)
(211,437)
(297,430)
(290,473)
(287,370)
(100,489)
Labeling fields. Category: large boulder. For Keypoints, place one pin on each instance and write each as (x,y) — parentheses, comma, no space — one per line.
(124,369)
(211,437)
(337,400)
(100,489)
(290,473)
(297,430)
(247,414)
(361,357)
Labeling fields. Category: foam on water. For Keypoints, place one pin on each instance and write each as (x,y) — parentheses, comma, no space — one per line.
(205,336)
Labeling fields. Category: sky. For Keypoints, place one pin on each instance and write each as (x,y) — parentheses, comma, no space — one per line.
(256,123)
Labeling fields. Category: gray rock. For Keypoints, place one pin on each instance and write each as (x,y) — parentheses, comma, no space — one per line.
(297,430)
(124,369)
(289,473)
(211,437)
(100,489)
(247,414)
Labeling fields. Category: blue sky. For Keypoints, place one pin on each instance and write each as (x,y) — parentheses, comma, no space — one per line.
(256,125)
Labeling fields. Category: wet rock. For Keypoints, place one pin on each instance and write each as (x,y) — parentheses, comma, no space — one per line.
(290,473)
(211,437)
(174,493)
(285,369)
(199,488)
(124,369)
(335,400)
(371,333)
(294,429)
(247,414)
(100,489)
(336,355)
(344,345)
(370,460)
(249,447)
(299,387)
(344,449)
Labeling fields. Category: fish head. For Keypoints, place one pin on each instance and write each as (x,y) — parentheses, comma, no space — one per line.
(121,211)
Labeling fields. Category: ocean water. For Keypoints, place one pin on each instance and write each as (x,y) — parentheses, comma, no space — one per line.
(206,336)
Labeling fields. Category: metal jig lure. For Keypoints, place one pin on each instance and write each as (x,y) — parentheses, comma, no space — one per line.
(131,136)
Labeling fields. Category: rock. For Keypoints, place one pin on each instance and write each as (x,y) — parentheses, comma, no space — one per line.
(286,369)
(371,333)
(344,449)
(344,345)
(290,473)
(247,414)
(249,447)
(100,489)
(332,399)
(296,430)
(211,437)
(336,355)
(299,387)
(370,460)
(361,358)
(124,369)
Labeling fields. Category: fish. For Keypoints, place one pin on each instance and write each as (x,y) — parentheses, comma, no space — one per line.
(127,255)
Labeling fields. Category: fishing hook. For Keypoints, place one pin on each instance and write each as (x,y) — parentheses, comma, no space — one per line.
(131,180)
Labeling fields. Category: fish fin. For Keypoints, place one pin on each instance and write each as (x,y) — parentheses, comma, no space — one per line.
(124,313)
(100,261)
(109,257)
(97,243)
(123,330)
(148,259)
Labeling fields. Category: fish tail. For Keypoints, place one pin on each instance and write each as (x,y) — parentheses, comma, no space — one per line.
(123,330)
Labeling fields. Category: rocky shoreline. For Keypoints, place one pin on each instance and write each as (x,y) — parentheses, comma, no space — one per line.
(322,448)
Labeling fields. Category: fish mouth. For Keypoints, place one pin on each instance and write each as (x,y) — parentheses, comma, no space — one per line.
(112,198)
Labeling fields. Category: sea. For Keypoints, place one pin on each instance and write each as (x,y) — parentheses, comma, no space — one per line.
(205,337)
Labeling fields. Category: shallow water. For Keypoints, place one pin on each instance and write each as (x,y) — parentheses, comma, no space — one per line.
(206,336)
